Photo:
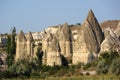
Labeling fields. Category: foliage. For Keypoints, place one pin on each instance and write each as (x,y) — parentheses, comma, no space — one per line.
(115,67)
(11,47)
(20,68)
(39,54)
(109,62)
(102,67)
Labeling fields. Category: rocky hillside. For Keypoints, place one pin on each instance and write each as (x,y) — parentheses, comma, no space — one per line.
(112,24)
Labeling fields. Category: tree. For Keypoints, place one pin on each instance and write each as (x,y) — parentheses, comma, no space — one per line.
(109,62)
(39,54)
(11,46)
(115,67)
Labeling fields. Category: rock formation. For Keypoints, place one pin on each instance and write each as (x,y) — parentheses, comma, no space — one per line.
(81,43)
(24,47)
(111,42)
(92,33)
(64,37)
(117,31)
(89,40)
(80,51)
(51,49)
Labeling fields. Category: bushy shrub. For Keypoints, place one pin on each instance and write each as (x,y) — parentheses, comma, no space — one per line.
(115,67)
(21,68)
(102,67)
(109,62)
(77,66)
(4,74)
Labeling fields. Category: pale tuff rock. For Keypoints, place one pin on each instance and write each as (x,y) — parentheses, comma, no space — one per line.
(117,31)
(92,33)
(64,37)
(21,37)
(24,47)
(111,42)
(51,49)
(81,43)
(89,40)
(80,51)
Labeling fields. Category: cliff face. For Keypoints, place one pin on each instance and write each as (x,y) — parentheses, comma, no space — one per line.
(51,49)
(92,33)
(89,39)
(112,24)
(111,41)
(64,37)
(81,43)
(117,31)
(24,47)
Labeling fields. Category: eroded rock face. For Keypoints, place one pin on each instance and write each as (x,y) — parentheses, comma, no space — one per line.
(80,51)
(88,41)
(92,33)
(82,43)
(111,42)
(65,41)
(117,31)
(51,49)
(24,47)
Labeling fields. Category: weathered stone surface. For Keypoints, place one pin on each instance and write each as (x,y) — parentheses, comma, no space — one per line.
(21,37)
(117,31)
(92,33)
(80,51)
(82,43)
(64,37)
(51,49)
(29,37)
(24,47)
(89,40)
(111,42)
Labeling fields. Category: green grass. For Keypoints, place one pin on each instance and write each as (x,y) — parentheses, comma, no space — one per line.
(95,77)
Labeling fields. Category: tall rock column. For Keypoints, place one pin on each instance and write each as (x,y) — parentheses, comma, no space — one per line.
(29,44)
(92,33)
(21,46)
(64,37)
(51,52)
(89,40)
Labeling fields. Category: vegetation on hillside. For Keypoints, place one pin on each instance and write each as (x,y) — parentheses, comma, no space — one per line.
(108,63)
(11,47)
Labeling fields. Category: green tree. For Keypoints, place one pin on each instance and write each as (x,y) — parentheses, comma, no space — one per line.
(39,54)
(108,62)
(21,67)
(115,67)
(11,47)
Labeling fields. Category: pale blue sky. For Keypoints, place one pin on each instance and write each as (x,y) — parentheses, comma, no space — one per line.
(36,15)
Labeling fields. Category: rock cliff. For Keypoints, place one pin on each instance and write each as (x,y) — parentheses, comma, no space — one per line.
(51,49)
(64,37)
(111,42)
(77,43)
(89,40)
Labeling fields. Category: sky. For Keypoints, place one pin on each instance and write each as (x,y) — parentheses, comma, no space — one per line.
(37,15)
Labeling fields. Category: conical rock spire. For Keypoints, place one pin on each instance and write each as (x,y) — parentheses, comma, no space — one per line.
(92,33)
(21,36)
